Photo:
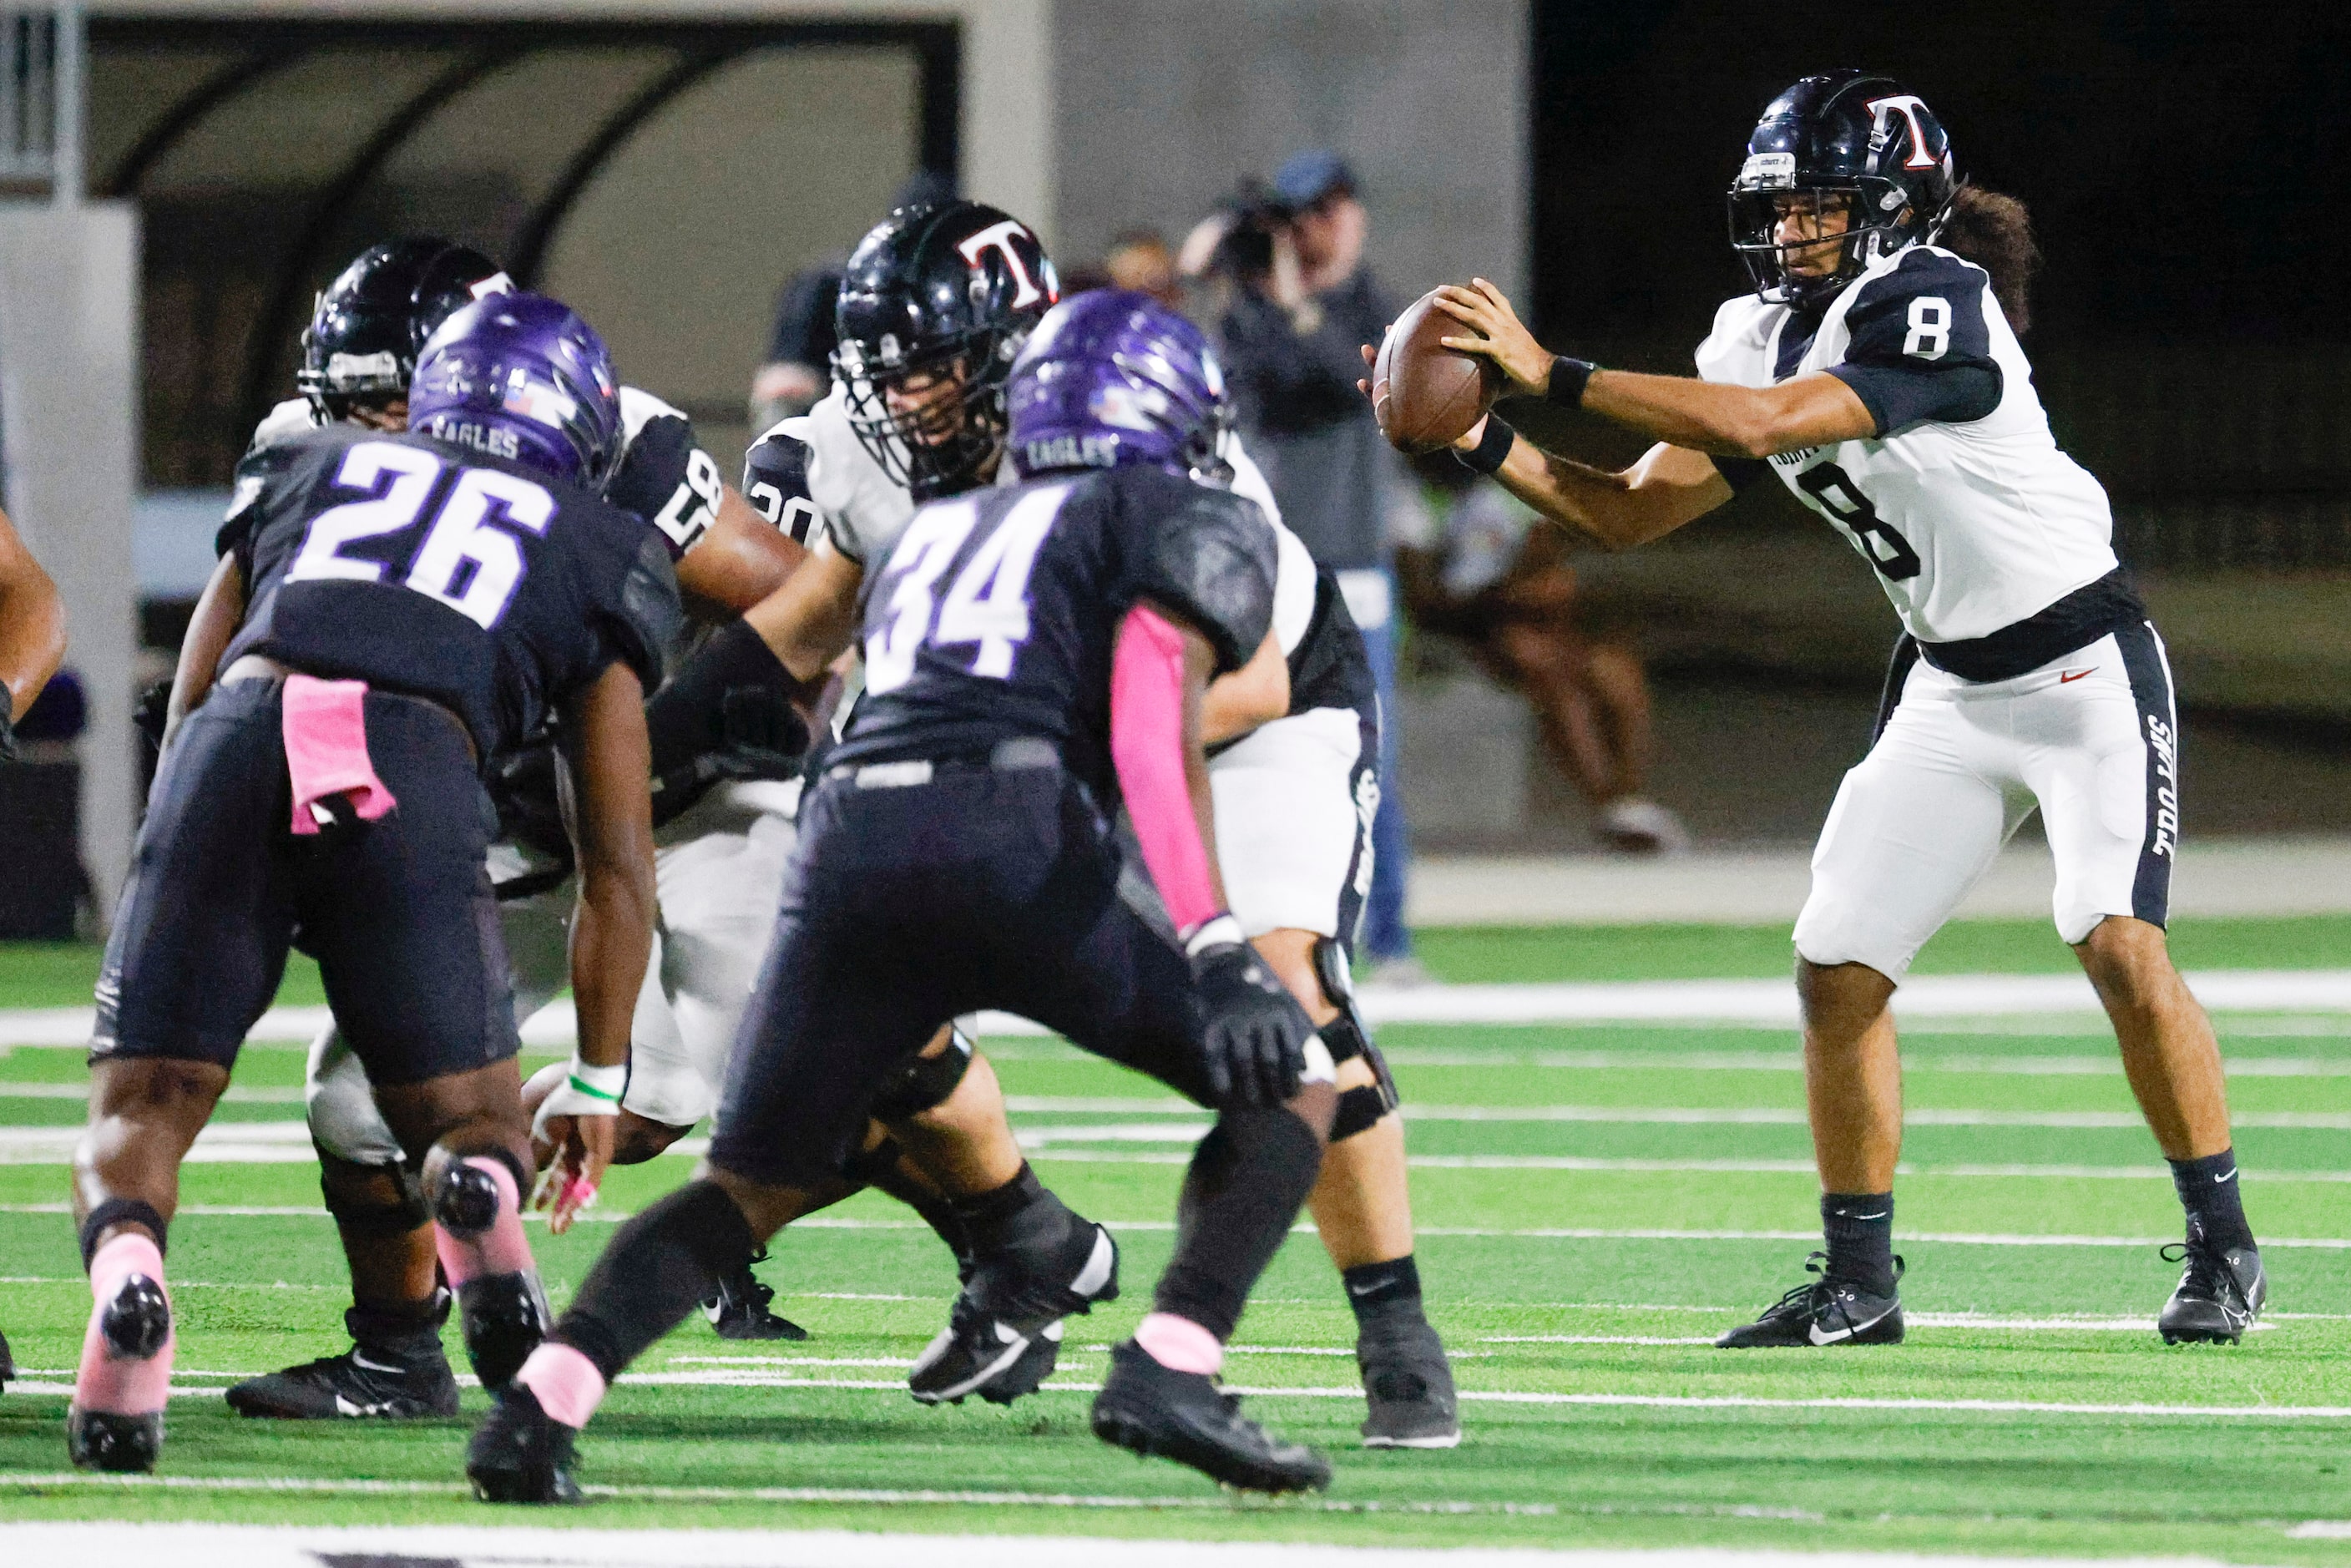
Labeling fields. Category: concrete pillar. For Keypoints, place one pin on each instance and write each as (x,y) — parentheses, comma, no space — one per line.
(70,420)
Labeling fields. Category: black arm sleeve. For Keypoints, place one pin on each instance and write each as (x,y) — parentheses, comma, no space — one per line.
(775,481)
(1920,347)
(667,479)
(1207,554)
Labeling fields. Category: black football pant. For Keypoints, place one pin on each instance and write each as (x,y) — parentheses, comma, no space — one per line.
(989,887)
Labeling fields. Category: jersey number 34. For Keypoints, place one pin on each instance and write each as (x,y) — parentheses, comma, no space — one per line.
(989,603)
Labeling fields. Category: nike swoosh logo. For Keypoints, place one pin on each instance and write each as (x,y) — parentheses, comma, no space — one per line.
(360,1360)
(2068,676)
(1817,1337)
(2218,1180)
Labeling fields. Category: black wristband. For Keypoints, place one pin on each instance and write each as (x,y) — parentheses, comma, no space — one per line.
(1568,380)
(1493,447)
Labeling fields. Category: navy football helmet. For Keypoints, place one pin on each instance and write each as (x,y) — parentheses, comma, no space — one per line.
(1849,140)
(950,291)
(371,323)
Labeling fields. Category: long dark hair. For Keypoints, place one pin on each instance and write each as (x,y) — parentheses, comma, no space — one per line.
(1995,232)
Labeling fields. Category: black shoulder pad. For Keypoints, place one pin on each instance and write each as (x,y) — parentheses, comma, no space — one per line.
(1209,554)
(775,481)
(258,473)
(645,624)
(667,479)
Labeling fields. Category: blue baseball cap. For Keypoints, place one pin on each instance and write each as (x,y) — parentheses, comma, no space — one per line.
(1310,176)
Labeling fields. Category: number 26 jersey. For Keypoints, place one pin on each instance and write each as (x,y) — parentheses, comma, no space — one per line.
(1963,502)
(423,566)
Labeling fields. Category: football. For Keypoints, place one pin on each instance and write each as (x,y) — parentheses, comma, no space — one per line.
(1426,395)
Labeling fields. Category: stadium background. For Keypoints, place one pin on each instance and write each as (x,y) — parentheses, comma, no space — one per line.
(666,166)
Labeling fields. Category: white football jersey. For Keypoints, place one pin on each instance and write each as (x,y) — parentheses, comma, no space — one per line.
(862,508)
(1965,507)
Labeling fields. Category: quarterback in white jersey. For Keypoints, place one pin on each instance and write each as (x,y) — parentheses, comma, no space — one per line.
(357,355)
(1296,730)
(1875,371)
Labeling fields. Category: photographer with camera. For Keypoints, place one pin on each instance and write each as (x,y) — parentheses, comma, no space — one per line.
(1300,302)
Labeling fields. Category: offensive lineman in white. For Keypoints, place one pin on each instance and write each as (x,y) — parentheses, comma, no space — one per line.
(1876,371)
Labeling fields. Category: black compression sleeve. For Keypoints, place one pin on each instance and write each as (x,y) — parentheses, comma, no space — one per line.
(687,718)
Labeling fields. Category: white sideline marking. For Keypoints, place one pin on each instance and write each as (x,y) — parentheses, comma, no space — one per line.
(1503,1057)
(1644,1115)
(1760,1001)
(1527,1233)
(1768,1168)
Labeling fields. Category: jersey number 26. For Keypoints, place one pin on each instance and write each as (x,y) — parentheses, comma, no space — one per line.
(464,530)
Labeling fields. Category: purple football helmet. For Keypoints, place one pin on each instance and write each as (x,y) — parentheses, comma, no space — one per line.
(522,377)
(1111,378)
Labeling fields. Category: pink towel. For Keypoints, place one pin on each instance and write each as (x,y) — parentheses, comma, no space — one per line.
(325,725)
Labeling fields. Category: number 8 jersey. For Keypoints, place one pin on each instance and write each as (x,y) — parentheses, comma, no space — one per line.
(429,569)
(1963,502)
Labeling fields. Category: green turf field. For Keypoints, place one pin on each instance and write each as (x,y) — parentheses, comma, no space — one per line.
(1595,1202)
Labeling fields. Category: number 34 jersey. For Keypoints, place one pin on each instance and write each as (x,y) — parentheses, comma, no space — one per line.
(423,566)
(996,614)
(1963,502)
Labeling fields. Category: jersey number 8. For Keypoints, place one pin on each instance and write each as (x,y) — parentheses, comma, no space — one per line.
(1842,500)
(463,534)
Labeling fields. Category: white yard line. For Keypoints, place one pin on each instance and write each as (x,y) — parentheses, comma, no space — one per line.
(1772,1002)
(1527,1233)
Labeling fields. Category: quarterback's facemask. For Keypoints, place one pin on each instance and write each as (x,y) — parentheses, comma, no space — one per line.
(1841,144)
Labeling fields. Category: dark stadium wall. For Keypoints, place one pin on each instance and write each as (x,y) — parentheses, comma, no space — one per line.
(1159,107)
(2184,165)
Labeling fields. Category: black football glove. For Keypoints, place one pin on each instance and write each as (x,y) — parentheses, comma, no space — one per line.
(151,715)
(1255,1033)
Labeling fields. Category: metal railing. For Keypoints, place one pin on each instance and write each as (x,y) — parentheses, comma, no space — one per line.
(41,101)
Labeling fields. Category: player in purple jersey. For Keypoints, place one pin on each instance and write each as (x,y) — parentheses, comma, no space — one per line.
(1037,655)
(417,602)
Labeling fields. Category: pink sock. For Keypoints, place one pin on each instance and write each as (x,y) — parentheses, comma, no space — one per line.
(501,1248)
(1180,1344)
(122,1385)
(567,1383)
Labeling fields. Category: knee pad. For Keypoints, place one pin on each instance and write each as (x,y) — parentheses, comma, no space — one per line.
(368,1216)
(926,1082)
(466,1198)
(115,1211)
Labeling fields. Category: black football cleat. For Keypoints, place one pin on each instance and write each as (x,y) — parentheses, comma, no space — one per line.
(1827,1311)
(361,1384)
(1003,1336)
(1407,1387)
(2219,1295)
(122,1445)
(7,1362)
(503,1317)
(521,1453)
(1150,1409)
(740,1310)
(395,1370)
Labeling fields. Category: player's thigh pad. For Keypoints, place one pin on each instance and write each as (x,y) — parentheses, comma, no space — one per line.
(1288,837)
(400,915)
(339,1105)
(2100,747)
(1914,826)
(201,936)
